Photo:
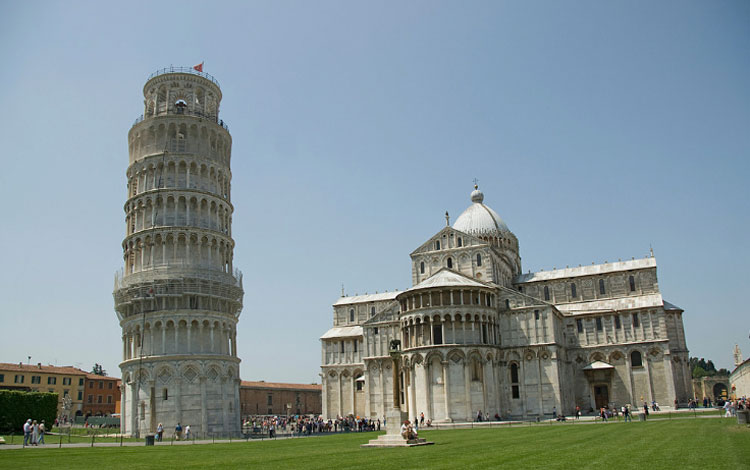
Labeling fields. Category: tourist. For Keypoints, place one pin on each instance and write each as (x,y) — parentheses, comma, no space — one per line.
(26,432)
(645,408)
(626,414)
(41,432)
(178,431)
(187,432)
(479,415)
(34,433)
(554,412)
(405,430)
(421,418)
(578,412)
(603,414)
(159,432)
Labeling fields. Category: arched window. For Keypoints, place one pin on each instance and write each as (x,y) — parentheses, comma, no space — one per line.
(351,315)
(507,304)
(601,287)
(437,244)
(372,311)
(635,359)
(573,292)
(546,292)
(479,259)
(421,267)
(460,242)
(450,263)
(632,283)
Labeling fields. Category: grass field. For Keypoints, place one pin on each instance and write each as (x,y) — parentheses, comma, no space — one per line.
(679,444)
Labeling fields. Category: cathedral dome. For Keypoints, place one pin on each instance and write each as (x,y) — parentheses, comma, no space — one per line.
(479,219)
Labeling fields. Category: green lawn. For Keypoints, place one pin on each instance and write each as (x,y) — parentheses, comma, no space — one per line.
(683,444)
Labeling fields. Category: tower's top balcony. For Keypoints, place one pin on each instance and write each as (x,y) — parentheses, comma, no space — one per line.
(189,70)
(182,91)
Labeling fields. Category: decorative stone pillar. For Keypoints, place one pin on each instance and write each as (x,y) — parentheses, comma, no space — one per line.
(447,389)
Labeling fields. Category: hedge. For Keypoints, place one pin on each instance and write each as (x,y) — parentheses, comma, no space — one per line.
(17,407)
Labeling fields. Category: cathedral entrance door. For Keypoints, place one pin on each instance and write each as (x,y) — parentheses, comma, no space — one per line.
(601,396)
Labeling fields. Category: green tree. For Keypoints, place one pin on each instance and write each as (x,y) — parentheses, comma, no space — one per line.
(97,370)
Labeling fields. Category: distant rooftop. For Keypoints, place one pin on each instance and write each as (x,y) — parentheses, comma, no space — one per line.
(280,385)
(357,299)
(342,332)
(594,269)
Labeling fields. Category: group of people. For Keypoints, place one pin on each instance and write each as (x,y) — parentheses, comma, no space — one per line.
(178,432)
(33,433)
(731,406)
(307,425)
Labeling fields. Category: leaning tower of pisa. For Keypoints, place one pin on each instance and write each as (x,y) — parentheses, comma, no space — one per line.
(178,297)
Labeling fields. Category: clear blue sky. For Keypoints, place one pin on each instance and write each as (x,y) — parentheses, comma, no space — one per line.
(596,129)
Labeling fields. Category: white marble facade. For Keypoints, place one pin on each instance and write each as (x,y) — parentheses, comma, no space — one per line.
(178,298)
(476,334)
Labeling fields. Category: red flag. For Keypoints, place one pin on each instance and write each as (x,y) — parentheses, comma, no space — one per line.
(199,67)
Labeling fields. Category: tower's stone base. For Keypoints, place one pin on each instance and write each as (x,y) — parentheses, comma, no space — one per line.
(392,436)
(391,440)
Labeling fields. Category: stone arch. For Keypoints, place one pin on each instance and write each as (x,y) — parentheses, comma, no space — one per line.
(213,373)
(456,355)
(164,374)
(191,372)
(431,355)
(596,356)
(616,356)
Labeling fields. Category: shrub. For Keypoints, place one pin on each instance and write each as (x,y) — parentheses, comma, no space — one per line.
(17,407)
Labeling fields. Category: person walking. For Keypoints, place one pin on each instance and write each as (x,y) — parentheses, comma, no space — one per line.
(159,432)
(26,432)
(41,432)
(178,431)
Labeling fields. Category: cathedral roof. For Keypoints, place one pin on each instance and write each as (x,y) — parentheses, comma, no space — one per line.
(343,332)
(446,278)
(479,219)
(594,269)
(616,304)
(356,299)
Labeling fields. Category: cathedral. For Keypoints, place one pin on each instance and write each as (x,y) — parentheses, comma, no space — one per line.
(478,336)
